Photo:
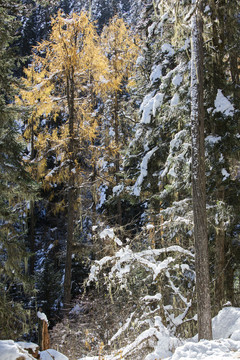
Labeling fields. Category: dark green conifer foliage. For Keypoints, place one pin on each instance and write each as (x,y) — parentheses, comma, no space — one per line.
(222,141)
(14,183)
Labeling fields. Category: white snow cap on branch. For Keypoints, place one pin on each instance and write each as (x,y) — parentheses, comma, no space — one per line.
(42,316)
(110,233)
(223,105)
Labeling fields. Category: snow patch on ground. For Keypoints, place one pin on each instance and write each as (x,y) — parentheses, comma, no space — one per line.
(51,354)
(211,350)
(9,350)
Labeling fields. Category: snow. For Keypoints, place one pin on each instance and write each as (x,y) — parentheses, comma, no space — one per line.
(157,102)
(211,350)
(51,354)
(227,324)
(42,316)
(225,174)
(102,195)
(156,73)
(147,112)
(140,60)
(118,189)
(143,173)
(212,139)
(110,233)
(177,80)
(149,106)
(167,48)
(175,100)
(223,105)
(9,350)
(225,343)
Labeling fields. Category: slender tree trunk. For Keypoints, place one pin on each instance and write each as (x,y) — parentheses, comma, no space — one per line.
(31,230)
(68,261)
(198,182)
(220,260)
(219,269)
(71,196)
(117,159)
(229,272)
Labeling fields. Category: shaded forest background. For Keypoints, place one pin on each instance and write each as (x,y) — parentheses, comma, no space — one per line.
(95,164)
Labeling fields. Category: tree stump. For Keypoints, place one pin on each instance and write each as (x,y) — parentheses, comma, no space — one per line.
(43,334)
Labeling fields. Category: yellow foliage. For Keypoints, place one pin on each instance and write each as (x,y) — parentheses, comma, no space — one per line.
(123,50)
(69,63)
(68,72)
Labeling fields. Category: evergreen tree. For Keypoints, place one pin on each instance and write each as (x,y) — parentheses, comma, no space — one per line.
(222,113)
(159,155)
(121,47)
(70,70)
(15,184)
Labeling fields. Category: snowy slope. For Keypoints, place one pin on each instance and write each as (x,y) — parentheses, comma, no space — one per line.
(226,343)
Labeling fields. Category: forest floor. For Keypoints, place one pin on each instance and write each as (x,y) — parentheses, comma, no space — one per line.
(226,344)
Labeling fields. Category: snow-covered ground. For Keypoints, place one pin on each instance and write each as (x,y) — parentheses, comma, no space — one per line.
(10,350)
(226,344)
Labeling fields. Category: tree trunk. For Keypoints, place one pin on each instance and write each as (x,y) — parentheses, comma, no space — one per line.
(198,181)
(219,269)
(31,230)
(68,261)
(71,195)
(43,334)
(31,238)
(117,159)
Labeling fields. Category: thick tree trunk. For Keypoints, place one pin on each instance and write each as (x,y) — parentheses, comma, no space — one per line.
(198,182)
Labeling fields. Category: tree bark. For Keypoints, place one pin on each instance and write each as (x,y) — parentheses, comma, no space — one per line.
(31,230)
(117,159)
(71,195)
(198,181)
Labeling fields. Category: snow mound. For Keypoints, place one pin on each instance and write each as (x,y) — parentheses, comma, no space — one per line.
(211,350)
(227,324)
(9,350)
(51,354)
(226,343)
